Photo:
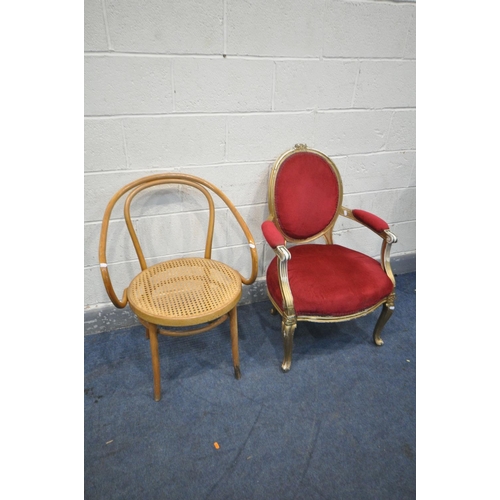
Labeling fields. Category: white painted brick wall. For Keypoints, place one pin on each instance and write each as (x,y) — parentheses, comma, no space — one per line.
(307,85)
(124,85)
(165,26)
(223,85)
(219,89)
(289,28)
(369,29)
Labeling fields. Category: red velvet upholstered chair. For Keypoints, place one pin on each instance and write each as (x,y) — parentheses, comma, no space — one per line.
(320,282)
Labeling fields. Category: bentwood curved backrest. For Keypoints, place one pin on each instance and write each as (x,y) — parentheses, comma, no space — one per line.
(143,183)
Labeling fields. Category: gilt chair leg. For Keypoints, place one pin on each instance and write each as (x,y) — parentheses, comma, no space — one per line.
(155,358)
(233,325)
(288,326)
(386,313)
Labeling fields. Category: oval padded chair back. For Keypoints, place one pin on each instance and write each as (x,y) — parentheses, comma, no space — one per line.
(307,192)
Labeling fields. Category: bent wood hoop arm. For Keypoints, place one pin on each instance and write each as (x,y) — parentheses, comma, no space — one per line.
(170,178)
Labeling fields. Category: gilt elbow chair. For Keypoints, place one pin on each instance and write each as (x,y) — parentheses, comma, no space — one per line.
(320,282)
(187,295)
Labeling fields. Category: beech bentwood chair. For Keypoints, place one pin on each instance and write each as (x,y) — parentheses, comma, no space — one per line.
(320,282)
(184,292)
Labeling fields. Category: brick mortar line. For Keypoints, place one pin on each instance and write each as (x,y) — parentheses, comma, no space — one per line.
(178,169)
(318,58)
(200,114)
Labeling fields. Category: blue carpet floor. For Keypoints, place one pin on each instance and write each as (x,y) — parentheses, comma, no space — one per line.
(339,425)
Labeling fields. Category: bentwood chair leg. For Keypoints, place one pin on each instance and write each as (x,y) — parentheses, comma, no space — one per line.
(288,328)
(233,325)
(155,358)
(382,320)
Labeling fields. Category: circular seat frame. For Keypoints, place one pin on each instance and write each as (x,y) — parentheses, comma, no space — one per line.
(184,292)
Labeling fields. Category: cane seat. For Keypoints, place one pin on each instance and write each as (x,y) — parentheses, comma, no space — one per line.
(184,292)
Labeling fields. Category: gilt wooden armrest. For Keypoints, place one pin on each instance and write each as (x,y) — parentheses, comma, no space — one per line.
(371,221)
(273,237)
(277,242)
(381,228)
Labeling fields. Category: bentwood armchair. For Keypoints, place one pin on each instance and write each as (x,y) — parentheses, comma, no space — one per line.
(320,282)
(187,295)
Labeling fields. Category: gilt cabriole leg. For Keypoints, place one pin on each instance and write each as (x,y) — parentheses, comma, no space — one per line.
(155,358)
(387,310)
(288,326)
(233,326)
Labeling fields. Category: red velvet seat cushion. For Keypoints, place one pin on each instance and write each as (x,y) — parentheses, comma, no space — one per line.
(330,280)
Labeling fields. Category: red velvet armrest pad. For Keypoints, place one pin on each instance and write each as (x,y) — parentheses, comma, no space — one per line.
(272,235)
(372,221)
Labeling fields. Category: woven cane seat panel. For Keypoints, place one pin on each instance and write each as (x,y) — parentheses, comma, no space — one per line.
(184,292)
